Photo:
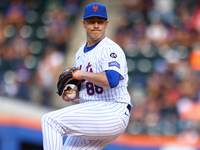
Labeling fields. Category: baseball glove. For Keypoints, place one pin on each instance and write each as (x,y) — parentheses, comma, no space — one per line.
(66,77)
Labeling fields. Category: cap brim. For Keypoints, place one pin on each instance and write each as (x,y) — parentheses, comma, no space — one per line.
(96,16)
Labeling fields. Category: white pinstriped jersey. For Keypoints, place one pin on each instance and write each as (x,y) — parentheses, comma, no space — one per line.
(106,55)
(103,114)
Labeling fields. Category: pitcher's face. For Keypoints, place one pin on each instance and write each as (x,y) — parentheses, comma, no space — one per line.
(95,28)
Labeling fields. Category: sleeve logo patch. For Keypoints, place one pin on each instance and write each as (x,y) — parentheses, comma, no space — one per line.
(114,63)
(113,55)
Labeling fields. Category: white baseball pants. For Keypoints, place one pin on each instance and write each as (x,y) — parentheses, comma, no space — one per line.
(88,126)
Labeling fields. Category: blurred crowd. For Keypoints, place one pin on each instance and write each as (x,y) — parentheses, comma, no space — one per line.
(159,37)
(33,42)
(162,43)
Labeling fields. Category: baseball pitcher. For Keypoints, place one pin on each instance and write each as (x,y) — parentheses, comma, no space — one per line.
(101,78)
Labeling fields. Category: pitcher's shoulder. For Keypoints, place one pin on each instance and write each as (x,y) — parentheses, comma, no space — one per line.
(109,42)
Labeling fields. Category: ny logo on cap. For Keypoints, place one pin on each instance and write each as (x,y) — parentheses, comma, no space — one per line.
(95,8)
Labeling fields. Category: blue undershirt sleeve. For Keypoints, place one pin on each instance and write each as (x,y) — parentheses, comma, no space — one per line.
(113,78)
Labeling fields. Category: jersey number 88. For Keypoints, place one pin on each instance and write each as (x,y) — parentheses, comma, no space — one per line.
(92,89)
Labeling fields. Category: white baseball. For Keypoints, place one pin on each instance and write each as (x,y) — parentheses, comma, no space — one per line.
(71,95)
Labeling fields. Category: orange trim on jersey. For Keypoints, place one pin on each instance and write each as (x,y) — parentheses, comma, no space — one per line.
(20,121)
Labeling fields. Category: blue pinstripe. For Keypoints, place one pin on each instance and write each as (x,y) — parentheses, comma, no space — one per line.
(100,117)
(111,121)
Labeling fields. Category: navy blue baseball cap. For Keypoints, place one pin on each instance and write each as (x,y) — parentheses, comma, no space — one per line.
(95,10)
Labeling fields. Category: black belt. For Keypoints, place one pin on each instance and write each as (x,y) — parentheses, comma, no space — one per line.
(129,108)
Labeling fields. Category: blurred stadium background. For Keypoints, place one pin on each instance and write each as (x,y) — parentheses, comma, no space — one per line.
(38,39)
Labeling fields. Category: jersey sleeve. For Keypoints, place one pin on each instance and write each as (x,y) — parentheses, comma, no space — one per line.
(113,58)
(78,57)
(113,78)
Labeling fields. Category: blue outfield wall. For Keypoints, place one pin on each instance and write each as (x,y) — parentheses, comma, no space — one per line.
(12,137)
(118,147)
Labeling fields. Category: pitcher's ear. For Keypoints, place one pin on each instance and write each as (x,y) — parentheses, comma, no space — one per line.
(83,22)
